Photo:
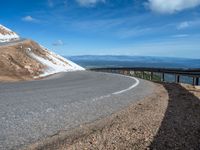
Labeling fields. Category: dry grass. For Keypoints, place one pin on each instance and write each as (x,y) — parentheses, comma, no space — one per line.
(15,63)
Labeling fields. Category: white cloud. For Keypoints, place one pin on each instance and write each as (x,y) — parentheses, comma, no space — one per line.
(87,3)
(171,6)
(188,24)
(183,25)
(29,19)
(58,43)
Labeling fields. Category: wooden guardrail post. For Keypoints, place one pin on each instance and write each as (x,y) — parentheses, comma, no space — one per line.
(163,77)
(125,72)
(151,75)
(142,74)
(193,81)
(177,78)
(197,81)
(129,72)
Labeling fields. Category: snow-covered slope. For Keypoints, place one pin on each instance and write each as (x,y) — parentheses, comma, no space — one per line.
(25,59)
(54,63)
(7,35)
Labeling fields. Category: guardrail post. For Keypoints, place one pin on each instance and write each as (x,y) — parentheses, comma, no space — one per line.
(177,78)
(193,81)
(151,76)
(129,72)
(124,72)
(197,81)
(142,74)
(163,77)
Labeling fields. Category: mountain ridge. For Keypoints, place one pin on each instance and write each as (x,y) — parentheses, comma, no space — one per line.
(27,60)
(7,35)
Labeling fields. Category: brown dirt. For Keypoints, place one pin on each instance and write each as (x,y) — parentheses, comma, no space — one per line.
(16,64)
(168,119)
(5,32)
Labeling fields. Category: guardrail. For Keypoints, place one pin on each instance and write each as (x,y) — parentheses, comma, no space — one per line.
(190,76)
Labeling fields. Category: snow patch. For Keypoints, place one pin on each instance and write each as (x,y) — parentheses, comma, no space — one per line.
(6,35)
(55,63)
(28,49)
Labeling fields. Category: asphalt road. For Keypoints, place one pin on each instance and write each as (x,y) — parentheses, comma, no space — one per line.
(30,111)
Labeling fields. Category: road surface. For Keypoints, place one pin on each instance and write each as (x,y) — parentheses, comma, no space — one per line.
(30,111)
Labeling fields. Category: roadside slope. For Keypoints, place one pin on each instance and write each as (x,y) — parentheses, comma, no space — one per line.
(28,60)
(22,59)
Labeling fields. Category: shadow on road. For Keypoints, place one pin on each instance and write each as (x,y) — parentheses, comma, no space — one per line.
(180,128)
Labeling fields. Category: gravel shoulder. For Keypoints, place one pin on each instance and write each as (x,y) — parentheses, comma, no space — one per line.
(167,119)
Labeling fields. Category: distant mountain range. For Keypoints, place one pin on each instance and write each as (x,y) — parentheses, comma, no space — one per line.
(92,61)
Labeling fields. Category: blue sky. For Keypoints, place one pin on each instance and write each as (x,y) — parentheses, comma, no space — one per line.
(116,27)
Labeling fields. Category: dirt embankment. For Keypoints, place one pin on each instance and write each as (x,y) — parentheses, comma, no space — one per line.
(3,31)
(168,119)
(16,64)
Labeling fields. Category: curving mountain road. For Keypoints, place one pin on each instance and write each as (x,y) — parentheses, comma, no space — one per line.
(30,111)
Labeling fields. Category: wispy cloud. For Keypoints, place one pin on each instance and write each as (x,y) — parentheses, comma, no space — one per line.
(88,3)
(183,25)
(29,19)
(57,3)
(180,35)
(50,3)
(188,24)
(135,32)
(58,43)
(98,24)
(171,6)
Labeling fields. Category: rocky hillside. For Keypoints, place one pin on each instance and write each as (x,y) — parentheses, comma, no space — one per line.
(7,35)
(27,60)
